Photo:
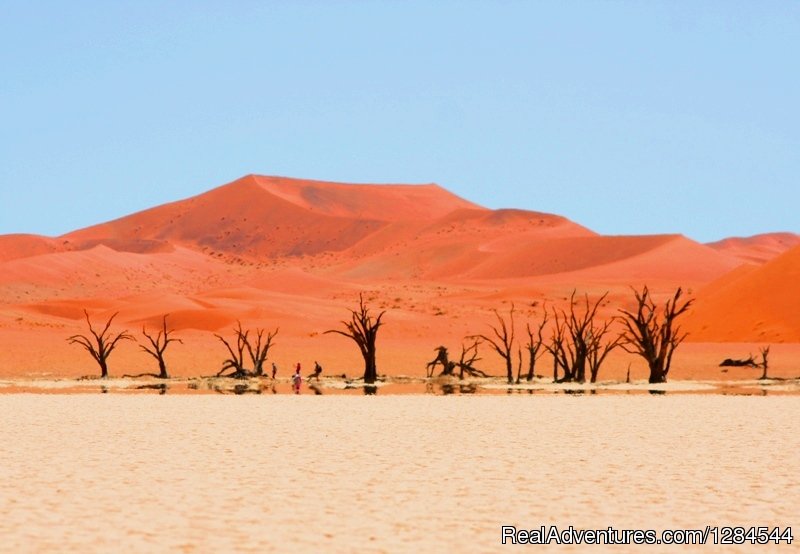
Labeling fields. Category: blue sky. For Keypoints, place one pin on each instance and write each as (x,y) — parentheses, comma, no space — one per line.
(627,117)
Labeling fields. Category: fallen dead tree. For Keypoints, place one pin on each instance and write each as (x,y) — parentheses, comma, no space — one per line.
(465,363)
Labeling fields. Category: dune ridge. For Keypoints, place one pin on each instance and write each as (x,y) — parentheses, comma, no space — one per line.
(758,248)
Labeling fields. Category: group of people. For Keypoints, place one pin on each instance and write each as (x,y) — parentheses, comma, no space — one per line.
(297,378)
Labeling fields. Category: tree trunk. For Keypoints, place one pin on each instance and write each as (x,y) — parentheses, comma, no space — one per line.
(579,374)
(370,368)
(509,370)
(657,375)
(162,367)
(103,369)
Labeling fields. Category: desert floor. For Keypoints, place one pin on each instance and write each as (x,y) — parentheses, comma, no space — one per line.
(99,473)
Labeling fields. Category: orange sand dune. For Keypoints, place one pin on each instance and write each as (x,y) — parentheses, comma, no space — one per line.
(275,252)
(451,246)
(758,248)
(13,247)
(268,217)
(380,202)
(757,305)
(659,260)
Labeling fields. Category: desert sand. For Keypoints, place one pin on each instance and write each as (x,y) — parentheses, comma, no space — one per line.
(295,254)
(387,474)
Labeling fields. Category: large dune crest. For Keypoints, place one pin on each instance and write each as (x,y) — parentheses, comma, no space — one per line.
(378,202)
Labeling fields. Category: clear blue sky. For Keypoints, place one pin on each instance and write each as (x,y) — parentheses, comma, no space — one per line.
(628,117)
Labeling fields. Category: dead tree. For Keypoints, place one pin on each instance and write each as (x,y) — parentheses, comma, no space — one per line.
(654,335)
(558,349)
(363,330)
(534,346)
(739,362)
(599,348)
(236,360)
(259,352)
(750,361)
(764,363)
(101,344)
(466,363)
(578,342)
(442,357)
(503,340)
(158,345)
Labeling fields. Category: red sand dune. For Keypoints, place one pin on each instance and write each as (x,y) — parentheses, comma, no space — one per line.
(759,248)
(619,259)
(13,247)
(257,217)
(756,305)
(271,251)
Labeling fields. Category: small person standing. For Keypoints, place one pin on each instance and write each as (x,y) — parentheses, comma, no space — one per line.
(317,372)
(274,370)
(297,379)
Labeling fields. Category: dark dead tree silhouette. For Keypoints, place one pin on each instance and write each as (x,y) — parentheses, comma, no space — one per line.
(465,363)
(363,330)
(764,362)
(443,358)
(534,346)
(557,348)
(260,350)
(503,340)
(652,334)
(156,348)
(101,343)
(235,363)
(519,364)
(750,361)
(578,342)
(599,348)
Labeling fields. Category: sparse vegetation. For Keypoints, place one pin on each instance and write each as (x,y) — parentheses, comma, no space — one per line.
(158,345)
(503,340)
(465,364)
(363,330)
(654,335)
(101,343)
(750,361)
(258,352)
(578,341)
(534,346)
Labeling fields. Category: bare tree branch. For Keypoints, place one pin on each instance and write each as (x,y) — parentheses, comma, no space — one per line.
(652,335)
(503,340)
(363,330)
(101,344)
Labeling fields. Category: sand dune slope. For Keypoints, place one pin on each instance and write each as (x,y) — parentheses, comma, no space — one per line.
(759,248)
(269,217)
(760,304)
(14,247)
